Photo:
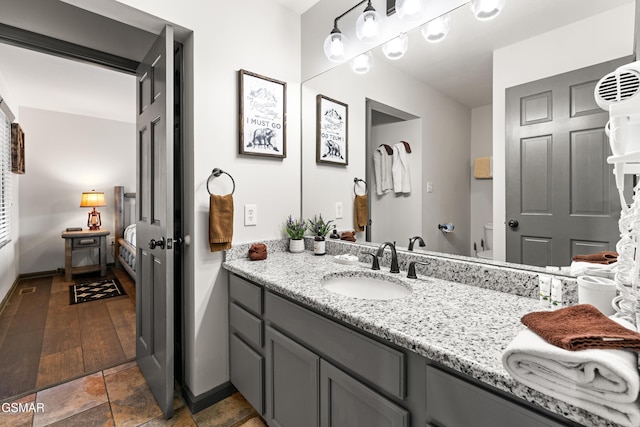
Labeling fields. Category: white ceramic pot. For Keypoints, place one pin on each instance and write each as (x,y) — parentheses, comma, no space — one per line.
(296,245)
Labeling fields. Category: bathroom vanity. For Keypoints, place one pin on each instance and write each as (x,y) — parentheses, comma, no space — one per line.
(306,356)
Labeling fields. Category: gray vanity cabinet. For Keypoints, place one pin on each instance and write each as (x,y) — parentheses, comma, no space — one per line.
(453,402)
(246,341)
(292,382)
(345,402)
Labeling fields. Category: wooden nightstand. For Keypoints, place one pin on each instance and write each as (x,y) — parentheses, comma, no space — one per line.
(84,239)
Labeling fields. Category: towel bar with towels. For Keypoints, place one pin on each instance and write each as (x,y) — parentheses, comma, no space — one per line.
(216,172)
(355,184)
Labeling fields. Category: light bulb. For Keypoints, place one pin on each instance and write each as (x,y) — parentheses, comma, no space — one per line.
(361,64)
(395,48)
(486,9)
(410,10)
(368,26)
(436,30)
(335,46)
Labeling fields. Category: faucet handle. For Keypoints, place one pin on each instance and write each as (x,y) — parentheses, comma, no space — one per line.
(376,264)
(412,269)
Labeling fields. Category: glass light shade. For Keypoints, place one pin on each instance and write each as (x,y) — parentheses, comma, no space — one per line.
(410,10)
(436,30)
(396,48)
(368,27)
(335,47)
(92,199)
(485,10)
(361,64)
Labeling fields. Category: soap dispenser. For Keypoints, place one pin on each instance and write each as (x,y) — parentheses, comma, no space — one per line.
(319,245)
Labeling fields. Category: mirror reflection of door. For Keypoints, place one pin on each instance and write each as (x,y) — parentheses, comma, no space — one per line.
(561,195)
(393,215)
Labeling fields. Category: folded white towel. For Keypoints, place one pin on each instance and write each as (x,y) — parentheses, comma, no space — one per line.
(581,268)
(604,382)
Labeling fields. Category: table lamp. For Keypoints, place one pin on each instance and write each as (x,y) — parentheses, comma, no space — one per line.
(93,199)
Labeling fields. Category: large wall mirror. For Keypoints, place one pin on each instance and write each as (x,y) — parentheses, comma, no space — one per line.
(447,100)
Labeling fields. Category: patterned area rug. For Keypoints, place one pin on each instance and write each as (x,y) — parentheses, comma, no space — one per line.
(84,292)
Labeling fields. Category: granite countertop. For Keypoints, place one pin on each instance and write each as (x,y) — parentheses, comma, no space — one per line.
(461,326)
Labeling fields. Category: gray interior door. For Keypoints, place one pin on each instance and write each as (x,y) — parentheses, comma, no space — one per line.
(561,198)
(155,222)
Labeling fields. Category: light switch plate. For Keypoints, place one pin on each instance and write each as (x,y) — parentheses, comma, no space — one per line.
(429,187)
(339,213)
(250,214)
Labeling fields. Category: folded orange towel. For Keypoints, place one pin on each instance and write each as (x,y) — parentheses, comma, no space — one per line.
(482,168)
(349,236)
(258,252)
(220,222)
(581,327)
(360,212)
(604,257)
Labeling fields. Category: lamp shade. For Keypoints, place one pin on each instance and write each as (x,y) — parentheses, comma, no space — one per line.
(361,64)
(410,10)
(395,48)
(485,10)
(92,199)
(368,26)
(437,29)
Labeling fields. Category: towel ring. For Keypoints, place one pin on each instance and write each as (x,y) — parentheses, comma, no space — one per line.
(216,172)
(355,184)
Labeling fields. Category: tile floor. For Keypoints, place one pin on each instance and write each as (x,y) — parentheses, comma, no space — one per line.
(118,397)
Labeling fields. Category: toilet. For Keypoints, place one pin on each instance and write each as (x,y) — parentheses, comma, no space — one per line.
(488,242)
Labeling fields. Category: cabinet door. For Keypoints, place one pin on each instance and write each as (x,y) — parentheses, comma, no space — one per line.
(453,402)
(292,382)
(246,372)
(345,402)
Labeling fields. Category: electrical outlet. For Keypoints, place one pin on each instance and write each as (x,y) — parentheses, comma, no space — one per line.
(111,240)
(429,187)
(250,215)
(339,213)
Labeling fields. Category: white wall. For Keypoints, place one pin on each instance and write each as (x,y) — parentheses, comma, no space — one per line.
(262,37)
(446,129)
(587,42)
(67,154)
(481,189)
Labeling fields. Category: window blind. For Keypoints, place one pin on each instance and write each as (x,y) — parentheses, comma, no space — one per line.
(5,179)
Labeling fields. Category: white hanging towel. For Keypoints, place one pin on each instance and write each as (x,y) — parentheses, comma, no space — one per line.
(382,165)
(400,168)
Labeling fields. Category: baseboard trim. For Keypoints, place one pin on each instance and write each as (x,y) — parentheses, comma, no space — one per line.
(208,398)
(5,299)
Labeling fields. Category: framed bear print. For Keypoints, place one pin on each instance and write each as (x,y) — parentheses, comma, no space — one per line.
(332,144)
(263,115)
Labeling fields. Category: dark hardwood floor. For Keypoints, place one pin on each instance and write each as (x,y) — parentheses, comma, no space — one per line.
(46,341)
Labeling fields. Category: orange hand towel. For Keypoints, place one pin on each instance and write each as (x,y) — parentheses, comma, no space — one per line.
(360,212)
(604,257)
(220,222)
(581,327)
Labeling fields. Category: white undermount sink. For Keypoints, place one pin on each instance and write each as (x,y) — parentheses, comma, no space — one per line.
(368,286)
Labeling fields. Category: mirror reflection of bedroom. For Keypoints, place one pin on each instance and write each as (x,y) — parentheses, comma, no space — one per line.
(72,310)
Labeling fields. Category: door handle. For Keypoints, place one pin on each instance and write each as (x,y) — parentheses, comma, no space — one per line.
(513,223)
(154,243)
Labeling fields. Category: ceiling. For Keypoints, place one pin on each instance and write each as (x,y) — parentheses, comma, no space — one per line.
(461,65)
(298,6)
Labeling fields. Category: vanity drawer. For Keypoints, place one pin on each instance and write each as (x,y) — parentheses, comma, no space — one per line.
(246,294)
(377,363)
(453,402)
(245,324)
(246,372)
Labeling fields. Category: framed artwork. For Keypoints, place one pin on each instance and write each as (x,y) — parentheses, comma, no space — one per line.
(332,144)
(17,149)
(263,115)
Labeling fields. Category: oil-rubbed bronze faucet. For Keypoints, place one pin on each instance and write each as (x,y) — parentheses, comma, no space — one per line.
(376,264)
(413,240)
(394,256)
(412,269)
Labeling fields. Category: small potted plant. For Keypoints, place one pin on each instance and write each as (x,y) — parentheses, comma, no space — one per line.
(295,229)
(320,228)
